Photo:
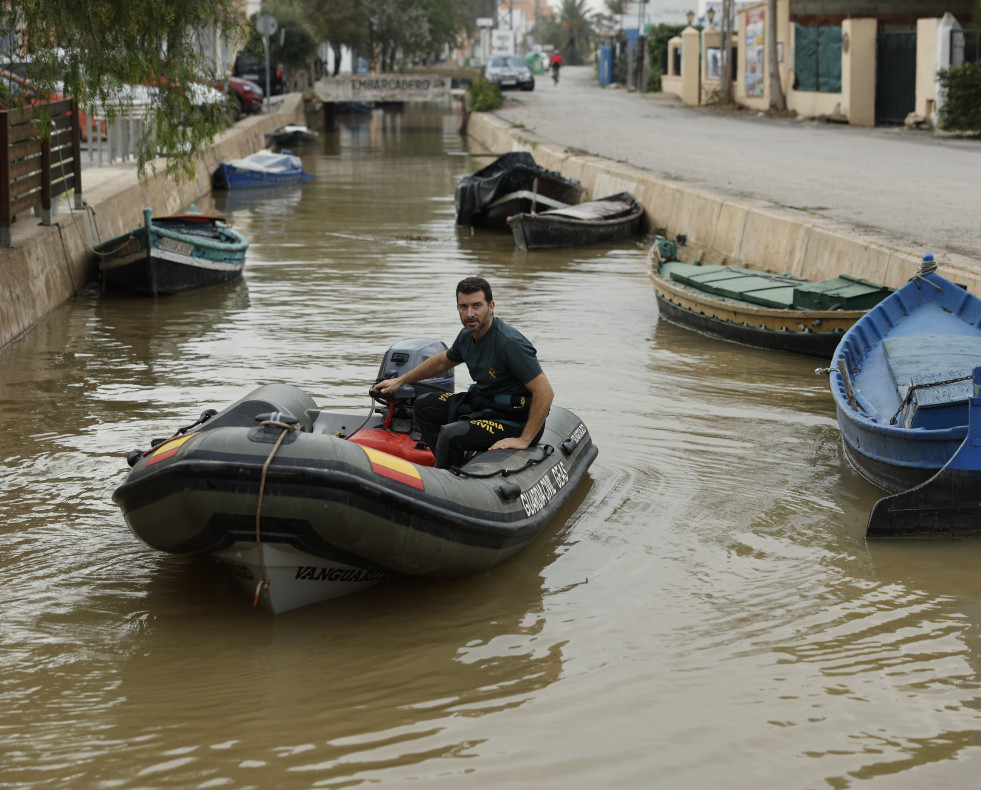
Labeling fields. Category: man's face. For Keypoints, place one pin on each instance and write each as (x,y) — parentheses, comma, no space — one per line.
(475,312)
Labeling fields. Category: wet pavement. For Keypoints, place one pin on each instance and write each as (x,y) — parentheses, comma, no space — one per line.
(912,190)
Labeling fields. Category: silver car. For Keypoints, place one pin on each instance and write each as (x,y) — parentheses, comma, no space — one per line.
(509,71)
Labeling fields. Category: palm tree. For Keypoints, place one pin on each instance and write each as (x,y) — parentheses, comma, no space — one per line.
(571,32)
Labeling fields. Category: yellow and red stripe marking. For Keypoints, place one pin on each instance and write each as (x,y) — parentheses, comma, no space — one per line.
(393,468)
(168,449)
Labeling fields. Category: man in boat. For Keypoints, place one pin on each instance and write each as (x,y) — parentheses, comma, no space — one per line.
(505,407)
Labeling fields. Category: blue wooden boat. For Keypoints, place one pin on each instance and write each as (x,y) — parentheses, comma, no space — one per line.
(173,253)
(261,169)
(901,380)
(949,503)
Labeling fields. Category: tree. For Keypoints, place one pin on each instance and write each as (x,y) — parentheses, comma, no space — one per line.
(295,42)
(341,23)
(97,51)
(405,33)
(571,32)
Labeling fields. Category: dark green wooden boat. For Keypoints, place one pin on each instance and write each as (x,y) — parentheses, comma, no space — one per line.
(758,308)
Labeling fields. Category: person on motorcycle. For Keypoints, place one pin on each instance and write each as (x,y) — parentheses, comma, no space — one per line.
(555,63)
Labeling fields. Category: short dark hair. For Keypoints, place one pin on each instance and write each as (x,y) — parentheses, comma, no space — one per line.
(470,285)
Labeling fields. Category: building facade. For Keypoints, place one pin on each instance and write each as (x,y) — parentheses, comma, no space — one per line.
(863,63)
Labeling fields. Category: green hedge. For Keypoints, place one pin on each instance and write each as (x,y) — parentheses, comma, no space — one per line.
(961,110)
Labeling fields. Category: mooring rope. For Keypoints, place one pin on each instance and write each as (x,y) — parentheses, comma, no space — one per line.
(264,578)
(927,266)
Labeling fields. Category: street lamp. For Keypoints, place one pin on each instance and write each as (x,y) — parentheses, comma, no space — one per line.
(691,16)
(711,15)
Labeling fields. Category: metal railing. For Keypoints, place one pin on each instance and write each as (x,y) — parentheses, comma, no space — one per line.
(116,141)
(965,47)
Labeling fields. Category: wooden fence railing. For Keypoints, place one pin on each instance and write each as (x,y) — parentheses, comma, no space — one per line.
(35,169)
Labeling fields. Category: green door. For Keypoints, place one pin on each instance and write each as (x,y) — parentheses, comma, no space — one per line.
(895,89)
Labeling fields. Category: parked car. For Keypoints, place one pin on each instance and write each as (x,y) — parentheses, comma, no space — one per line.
(15,90)
(509,71)
(250,68)
(246,95)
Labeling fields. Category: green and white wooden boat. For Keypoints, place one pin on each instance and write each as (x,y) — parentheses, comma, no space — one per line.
(173,253)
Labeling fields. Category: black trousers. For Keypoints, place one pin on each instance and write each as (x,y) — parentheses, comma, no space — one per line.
(451,434)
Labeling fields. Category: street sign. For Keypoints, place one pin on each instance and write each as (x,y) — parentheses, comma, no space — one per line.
(266,24)
(485,21)
(502,42)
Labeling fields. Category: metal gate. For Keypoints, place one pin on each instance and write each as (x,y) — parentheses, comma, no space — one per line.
(965,46)
(895,83)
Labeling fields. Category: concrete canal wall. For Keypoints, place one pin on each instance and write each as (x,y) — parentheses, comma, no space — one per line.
(49,264)
(725,229)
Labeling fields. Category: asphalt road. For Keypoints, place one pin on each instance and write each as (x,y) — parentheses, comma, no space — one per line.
(913,190)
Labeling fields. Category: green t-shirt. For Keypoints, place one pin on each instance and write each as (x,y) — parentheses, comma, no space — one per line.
(500,362)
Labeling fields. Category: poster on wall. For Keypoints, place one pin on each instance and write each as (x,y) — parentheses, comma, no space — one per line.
(755,52)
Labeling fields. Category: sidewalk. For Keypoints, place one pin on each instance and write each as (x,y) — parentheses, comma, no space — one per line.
(914,190)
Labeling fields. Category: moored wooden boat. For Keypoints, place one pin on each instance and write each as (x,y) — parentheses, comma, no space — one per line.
(758,308)
(592,222)
(301,504)
(292,134)
(512,184)
(261,169)
(173,253)
(903,381)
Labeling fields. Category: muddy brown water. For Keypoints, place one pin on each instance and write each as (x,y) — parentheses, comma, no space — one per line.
(705,613)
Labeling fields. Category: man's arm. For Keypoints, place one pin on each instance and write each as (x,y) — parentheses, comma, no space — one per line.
(424,370)
(541,401)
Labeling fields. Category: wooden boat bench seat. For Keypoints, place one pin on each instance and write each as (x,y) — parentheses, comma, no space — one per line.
(932,375)
(744,285)
(594,211)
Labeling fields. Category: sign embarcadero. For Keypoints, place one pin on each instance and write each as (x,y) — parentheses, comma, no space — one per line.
(383,87)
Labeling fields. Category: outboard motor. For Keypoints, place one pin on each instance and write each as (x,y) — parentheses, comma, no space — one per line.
(403,357)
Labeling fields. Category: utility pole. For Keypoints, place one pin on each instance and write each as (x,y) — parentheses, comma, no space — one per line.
(777,100)
(726,31)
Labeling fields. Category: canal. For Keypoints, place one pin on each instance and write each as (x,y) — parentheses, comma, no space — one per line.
(705,613)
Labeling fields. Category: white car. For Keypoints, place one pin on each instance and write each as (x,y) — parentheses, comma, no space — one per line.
(509,71)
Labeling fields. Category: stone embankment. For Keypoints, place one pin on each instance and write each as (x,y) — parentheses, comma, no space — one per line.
(49,264)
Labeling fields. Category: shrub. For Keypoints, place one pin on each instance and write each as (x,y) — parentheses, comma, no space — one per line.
(653,80)
(485,96)
(961,110)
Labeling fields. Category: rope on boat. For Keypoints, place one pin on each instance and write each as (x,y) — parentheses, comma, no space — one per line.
(287,427)
(206,415)
(546,449)
(927,266)
(914,387)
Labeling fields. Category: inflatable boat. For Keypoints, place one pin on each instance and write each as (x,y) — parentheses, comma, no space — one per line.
(300,504)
